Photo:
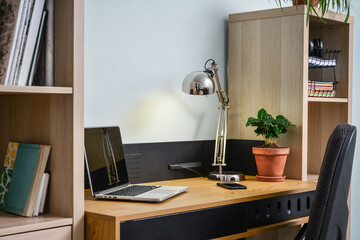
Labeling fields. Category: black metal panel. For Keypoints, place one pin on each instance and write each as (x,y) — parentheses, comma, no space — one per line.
(149,161)
(194,225)
(220,221)
(152,159)
(239,156)
(278,209)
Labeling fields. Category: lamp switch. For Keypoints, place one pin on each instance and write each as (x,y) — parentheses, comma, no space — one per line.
(177,166)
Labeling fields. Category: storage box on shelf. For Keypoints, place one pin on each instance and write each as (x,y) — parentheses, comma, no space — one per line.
(52,115)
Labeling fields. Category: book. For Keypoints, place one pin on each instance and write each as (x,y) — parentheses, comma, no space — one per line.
(321,89)
(39,77)
(30,44)
(26,179)
(36,54)
(19,41)
(9,13)
(49,44)
(20,16)
(7,171)
(44,193)
(41,196)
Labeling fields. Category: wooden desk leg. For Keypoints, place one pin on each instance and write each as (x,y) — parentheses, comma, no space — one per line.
(98,228)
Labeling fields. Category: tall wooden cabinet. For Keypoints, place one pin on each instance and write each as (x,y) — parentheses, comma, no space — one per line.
(52,115)
(268,67)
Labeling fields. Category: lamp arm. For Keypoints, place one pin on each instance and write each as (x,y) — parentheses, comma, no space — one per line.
(213,71)
(223,98)
(221,133)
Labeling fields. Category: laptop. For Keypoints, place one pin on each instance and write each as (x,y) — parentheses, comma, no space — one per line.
(106,168)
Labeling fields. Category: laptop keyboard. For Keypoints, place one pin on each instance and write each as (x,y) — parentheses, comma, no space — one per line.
(133,190)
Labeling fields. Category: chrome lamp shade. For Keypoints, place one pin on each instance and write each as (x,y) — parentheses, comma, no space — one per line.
(198,83)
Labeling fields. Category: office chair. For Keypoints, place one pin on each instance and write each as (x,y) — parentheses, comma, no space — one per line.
(329,213)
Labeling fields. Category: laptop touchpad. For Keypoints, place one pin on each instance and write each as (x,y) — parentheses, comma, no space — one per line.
(162,191)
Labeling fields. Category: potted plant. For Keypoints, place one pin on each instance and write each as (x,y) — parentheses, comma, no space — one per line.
(270,159)
(323,5)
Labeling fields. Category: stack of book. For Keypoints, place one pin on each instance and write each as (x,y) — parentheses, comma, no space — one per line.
(23,24)
(23,183)
(321,89)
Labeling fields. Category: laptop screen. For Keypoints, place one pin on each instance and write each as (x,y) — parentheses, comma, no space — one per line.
(105,158)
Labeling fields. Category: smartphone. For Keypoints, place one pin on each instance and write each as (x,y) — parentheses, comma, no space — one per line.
(231,185)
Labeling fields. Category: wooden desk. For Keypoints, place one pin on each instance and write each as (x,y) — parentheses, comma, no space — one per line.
(103,218)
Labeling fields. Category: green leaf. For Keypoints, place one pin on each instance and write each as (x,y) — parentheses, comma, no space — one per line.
(258,131)
(280,118)
(262,114)
(250,121)
(278,130)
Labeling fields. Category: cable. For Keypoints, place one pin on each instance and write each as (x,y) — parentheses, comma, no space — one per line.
(192,170)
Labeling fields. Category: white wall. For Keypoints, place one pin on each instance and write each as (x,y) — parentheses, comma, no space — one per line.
(137,53)
(355,190)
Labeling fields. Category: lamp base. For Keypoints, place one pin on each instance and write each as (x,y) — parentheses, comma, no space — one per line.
(227,176)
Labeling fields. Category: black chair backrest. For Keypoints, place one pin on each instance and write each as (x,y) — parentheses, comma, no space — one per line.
(329,213)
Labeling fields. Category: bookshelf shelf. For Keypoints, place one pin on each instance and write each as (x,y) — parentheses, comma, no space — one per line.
(269,68)
(329,100)
(54,116)
(13,224)
(255,41)
(34,90)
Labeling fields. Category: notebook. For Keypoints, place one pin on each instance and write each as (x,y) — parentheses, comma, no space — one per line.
(106,168)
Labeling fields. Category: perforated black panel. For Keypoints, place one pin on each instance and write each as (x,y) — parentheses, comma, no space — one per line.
(220,221)
(147,162)
(277,209)
(133,164)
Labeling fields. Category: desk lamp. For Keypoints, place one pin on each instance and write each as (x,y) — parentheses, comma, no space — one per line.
(202,83)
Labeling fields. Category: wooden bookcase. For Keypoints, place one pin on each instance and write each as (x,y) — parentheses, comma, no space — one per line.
(268,67)
(52,115)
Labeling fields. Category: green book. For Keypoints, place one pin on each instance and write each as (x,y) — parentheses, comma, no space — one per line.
(26,178)
(7,171)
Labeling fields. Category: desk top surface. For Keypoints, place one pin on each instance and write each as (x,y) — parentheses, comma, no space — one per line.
(202,193)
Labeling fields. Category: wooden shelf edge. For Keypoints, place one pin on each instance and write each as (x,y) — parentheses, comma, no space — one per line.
(330,100)
(11,224)
(329,17)
(312,177)
(267,228)
(35,90)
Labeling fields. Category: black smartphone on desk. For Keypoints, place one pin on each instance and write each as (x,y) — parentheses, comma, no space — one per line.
(231,185)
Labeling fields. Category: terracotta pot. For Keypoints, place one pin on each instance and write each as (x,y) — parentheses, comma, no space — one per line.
(270,163)
(304,2)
